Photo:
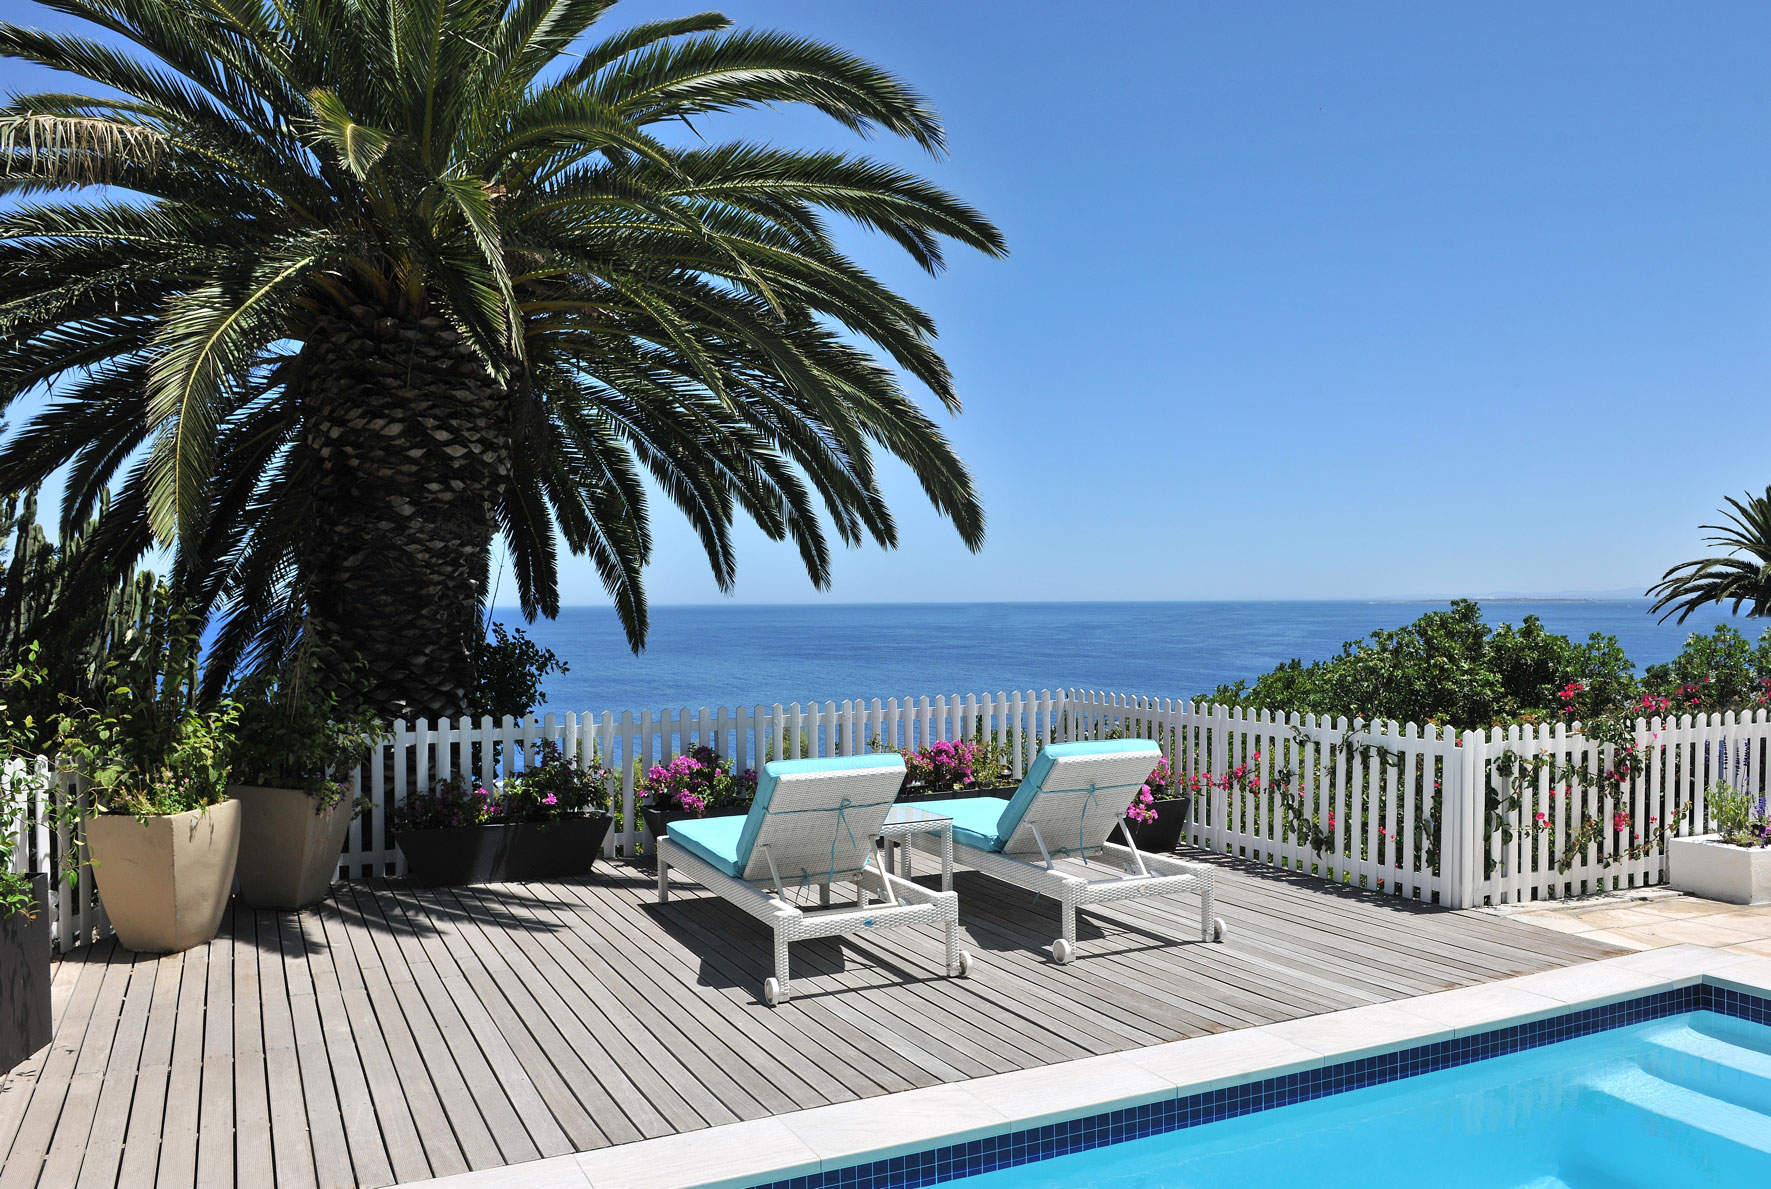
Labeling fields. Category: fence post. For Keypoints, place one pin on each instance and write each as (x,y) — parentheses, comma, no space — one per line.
(1461,844)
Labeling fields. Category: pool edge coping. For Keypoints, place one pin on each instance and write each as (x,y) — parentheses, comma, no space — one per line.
(827,1138)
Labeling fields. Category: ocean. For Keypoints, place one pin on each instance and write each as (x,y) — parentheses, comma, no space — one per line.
(738,654)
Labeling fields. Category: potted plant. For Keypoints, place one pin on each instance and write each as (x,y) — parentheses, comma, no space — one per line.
(1158,812)
(697,784)
(546,822)
(944,767)
(292,765)
(160,832)
(1732,865)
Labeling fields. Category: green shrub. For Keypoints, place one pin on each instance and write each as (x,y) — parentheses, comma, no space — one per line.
(1447,667)
(293,735)
(512,668)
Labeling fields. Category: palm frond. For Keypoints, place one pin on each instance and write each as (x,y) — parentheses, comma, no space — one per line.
(1745,581)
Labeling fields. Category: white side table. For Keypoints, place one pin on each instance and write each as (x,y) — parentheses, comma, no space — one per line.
(906,821)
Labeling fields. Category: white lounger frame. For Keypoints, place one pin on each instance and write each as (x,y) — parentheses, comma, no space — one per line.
(902,904)
(1145,875)
(1070,818)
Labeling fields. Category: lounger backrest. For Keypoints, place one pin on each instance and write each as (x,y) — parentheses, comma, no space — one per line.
(818,818)
(1074,793)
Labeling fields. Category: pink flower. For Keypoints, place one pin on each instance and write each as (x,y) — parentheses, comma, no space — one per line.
(550,799)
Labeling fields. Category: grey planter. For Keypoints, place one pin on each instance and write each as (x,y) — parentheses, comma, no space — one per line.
(460,855)
(25,1022)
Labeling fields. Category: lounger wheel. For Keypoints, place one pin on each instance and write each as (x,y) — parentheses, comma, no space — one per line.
(1063,951)
(1219,930)
(965,964)
(772,991)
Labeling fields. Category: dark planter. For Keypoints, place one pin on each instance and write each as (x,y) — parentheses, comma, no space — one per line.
(24,980)
(1161,836)
(503,854)
(658,820)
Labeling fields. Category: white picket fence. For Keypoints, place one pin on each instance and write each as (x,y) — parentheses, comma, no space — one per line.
(1393,808)
(1431,814)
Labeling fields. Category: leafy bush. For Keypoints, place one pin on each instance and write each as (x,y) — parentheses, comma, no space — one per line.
(1738,817)
(455,801)
(948,766)
(1720,671)
(1446,667)
(699,781)
(18,750)
(145,743)
(1450,667)
(291,735)
(511,669)
(943,766)
(555,786)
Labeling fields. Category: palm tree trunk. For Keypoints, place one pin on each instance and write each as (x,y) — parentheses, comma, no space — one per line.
(410,454)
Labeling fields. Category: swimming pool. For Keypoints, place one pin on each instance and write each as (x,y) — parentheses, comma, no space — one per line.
(1672,1102)
(1668,1089)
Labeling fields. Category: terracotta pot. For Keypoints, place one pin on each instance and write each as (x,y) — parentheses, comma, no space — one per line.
(458,855)
(165,881)
(25,1020)
(288,852)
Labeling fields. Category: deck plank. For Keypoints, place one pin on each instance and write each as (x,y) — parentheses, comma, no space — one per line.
(396,1033)
(370,1092)
(215,1128)
(442,1149)
(653,1091)
(184,1084)
(73,1130)
(399,991)
(103,1150)
(319,1093)
(36,1131)
(254,1160)
(147,1111)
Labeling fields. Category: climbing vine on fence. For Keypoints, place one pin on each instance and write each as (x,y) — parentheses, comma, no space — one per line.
(1621,837)
(1617,836)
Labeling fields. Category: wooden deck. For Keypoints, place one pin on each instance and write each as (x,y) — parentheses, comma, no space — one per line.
(394,1033)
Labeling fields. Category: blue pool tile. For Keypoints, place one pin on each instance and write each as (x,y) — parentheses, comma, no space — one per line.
(936,1165)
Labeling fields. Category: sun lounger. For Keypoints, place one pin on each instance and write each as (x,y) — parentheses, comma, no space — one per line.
(1072,797)
(813,823)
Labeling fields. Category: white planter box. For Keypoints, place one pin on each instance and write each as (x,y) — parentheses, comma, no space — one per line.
(1715,870)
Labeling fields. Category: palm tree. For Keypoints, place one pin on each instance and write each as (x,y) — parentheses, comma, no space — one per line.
(393,277)
(1744,580)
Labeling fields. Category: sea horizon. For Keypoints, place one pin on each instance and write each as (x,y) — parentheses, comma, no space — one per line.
(746,654)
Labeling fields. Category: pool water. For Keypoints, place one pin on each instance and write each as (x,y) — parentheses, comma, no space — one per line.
(1680,1101)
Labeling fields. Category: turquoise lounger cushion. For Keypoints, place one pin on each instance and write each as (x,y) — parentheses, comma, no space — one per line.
(712,839)
(995,835)
(974,818)
(772,773)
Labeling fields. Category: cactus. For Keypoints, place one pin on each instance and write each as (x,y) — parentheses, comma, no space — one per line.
(82,616)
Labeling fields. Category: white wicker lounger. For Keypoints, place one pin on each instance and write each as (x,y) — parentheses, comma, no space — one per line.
(1066,807)
(813,822)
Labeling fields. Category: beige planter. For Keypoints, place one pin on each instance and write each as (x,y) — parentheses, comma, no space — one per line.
(165,882)
(288,853)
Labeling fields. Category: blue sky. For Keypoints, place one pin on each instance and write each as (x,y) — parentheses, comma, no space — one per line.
(1327,300)
(1316,301)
